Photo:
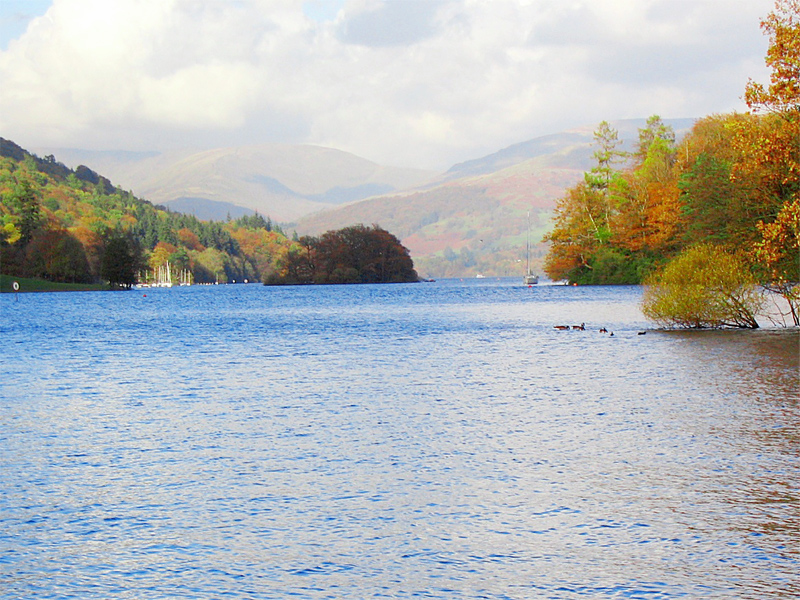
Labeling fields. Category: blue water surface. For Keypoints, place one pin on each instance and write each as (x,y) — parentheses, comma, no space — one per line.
(435,440)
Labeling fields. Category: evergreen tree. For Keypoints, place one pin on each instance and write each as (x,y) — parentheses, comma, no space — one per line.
(120,261)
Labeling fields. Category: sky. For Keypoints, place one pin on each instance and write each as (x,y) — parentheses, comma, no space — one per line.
(411,83)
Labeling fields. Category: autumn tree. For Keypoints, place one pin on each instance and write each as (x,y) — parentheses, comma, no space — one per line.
(160,255)
(576,233)
(782,96)
(93,246)
(583,216)
(55,255)
(773,154)
(189,239)
(297,263)
(778,253)
(610,227)
(647,219)
(356,254)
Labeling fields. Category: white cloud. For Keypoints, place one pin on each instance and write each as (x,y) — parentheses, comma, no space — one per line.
(409,82)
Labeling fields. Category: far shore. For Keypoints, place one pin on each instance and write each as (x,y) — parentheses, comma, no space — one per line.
(42,285)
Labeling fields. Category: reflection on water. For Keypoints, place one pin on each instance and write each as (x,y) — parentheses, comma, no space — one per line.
(756,376)
(761,362)
(436,440)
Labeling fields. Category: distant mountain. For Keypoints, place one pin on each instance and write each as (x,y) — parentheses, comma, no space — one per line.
(283,182)
(569,149)
(478,216)
(472,218)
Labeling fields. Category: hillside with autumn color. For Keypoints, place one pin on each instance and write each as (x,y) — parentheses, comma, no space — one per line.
(65,225)
(478,216)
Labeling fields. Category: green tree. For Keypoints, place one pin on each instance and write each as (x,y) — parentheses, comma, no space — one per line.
(120,261)
(607,155)
(654,131)
(703,287)
(29,211)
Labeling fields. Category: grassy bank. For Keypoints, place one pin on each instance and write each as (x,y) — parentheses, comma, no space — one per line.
(41,285)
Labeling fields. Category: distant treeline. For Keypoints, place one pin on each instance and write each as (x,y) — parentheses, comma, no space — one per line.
(75,226)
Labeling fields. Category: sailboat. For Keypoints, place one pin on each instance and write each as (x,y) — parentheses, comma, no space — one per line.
(530,278)
(164,276)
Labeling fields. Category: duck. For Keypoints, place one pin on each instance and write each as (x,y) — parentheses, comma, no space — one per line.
(580,327)
(603,330)
(561,327)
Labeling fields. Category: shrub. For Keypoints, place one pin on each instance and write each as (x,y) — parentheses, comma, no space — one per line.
(703,287)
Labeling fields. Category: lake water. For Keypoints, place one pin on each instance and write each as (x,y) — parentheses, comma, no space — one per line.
(437,440)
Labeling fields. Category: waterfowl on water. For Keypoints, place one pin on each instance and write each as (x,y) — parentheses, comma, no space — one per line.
(603,330)
(561,327)
(580,327)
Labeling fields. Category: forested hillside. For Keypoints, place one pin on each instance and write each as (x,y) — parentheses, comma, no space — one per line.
(76,226)
(733,181)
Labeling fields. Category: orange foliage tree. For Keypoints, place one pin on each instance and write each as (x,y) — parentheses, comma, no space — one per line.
(773,151)
(609,227)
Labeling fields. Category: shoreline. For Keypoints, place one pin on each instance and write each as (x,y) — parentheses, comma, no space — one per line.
(29,285)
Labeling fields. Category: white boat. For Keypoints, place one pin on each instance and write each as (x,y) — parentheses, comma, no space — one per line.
(529,278)
(164,276)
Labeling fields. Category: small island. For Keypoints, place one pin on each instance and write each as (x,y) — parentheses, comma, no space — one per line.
(356,254)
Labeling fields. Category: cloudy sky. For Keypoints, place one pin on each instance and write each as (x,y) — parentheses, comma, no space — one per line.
(422,83)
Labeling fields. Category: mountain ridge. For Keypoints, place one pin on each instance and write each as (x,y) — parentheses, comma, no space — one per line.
(476,211)
(280,180)
(477,217)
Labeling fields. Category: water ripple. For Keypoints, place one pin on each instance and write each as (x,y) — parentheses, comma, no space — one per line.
(438,440)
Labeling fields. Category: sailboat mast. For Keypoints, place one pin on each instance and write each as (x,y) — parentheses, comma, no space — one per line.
(528,247)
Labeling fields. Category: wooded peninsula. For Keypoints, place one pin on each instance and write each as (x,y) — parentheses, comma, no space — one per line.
(718,209)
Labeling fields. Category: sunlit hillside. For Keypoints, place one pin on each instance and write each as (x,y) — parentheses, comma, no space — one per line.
(479,217)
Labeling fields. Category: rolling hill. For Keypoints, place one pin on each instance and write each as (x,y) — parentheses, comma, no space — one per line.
(284,182)
(478,216)
(474,218)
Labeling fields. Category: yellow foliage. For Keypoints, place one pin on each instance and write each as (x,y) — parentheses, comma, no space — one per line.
(703,287)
